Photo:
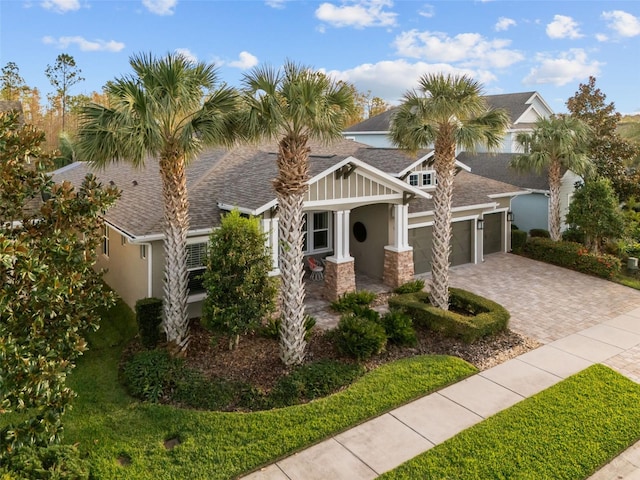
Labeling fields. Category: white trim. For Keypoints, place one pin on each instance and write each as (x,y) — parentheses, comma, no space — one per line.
(327,204)
(508,194)
(391,248)
(160,236)
(196,297)
(149,261)
(345,259)
(478,206)
(366,132)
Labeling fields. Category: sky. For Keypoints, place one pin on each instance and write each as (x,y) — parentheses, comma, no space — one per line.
(381,46)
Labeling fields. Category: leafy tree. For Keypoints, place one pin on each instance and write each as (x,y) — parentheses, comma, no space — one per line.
(377,106)
(240,292)
(293,105)
(49,291)
(13,85)
(63,75)
(610,153)
(159,113)
(595,211)
(556,142)
(449,112)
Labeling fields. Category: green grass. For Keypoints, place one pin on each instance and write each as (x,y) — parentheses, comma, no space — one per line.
(565,432)
(628,281)
(107,424)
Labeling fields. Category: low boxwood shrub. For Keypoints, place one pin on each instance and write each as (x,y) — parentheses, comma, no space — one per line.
(359,336)
(148,318)
(192,389)
(314,380)
(518,239)
(150,374)
(480,316)
(351,300)
(54,462)
(539,233)
(410,287)
(399,328)
(574,256)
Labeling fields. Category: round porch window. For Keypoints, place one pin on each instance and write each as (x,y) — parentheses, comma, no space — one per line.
(359,231)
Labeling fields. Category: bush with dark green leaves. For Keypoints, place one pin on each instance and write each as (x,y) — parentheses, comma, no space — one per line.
(399,328)
(410,287)
(574,256)
(55,462)
(539,233)
(271,329)
(312,381)
(149,318)
(469,317)
(518,239)
(350,300)
(359,337)
(573,234)
(149,375)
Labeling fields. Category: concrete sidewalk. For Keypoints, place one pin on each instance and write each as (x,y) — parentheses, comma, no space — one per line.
(385,442)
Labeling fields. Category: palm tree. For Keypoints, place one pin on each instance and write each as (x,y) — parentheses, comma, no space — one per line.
(168,111)
(556,142)
(293,104)
(447,112)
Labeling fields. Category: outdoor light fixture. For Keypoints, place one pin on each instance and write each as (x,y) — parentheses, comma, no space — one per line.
(480,224)
(510,216)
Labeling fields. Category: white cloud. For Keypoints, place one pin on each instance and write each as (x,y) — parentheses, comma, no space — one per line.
(601,37)
(624,24)
(357,13)
(469,49)
(563,27)
(83,44)
(427,11)
(275,3)
(160,7)
(245,61)
(569,66)
(61,6)
(389,80)
(504,23)
(188,54)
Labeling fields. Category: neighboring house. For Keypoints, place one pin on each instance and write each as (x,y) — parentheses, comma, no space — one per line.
(368,211)
(530,211)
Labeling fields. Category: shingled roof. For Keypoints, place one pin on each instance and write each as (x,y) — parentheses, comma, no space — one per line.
(514,103)
(241,177)
(496,166)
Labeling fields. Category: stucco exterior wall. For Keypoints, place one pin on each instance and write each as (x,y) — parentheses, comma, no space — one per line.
(369,255)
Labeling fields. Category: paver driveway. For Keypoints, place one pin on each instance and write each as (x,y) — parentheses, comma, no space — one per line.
(549,303)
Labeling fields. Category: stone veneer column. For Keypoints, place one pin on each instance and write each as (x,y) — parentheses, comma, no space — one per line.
(398,267)
(339,278)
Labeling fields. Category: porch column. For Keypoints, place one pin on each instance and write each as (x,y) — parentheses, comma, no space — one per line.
(339,272)
(398,257)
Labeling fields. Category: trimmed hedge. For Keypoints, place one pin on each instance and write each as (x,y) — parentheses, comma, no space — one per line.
(572,255)
(518,239)
(485,316)
(149,318)
(539,233)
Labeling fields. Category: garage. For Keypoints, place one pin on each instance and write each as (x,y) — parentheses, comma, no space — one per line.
(492,233)
(421,239)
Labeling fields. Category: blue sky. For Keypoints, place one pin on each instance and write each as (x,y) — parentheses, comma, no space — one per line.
(379,45)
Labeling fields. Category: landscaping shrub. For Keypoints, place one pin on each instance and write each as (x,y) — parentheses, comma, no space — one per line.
(518,239)
(482,316)
(399,328)
(55,462)
(312,381)
(573,234)
(149,318)
(539,233)
(410,287)
(192,389)
(351,300)
(272,328)
(359,337)
(574,256)
(149,375)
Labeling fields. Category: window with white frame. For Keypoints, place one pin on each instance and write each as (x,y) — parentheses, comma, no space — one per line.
(105,241)
(196,257)
(423,179)
(317,232)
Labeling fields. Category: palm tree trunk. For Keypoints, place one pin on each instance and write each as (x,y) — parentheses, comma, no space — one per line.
(555,180)
(290,186)
(441,248)
(176,227)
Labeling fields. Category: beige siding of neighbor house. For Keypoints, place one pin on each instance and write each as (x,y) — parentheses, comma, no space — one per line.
(126,272)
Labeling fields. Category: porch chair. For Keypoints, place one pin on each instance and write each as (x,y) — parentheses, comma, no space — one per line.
(317,270)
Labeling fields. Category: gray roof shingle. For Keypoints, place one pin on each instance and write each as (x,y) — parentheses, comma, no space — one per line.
(496,166)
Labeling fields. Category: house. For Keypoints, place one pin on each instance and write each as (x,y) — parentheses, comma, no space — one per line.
(368,211)
(525,108)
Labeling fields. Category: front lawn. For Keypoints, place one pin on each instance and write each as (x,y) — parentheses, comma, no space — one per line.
(125,439)
(565,432)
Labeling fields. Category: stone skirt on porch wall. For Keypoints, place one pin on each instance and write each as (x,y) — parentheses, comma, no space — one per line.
(398,267)
(339,278)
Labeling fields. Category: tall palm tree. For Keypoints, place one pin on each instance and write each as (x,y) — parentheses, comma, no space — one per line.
(556,142)
(446,111)
(168,111)
(293,105)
